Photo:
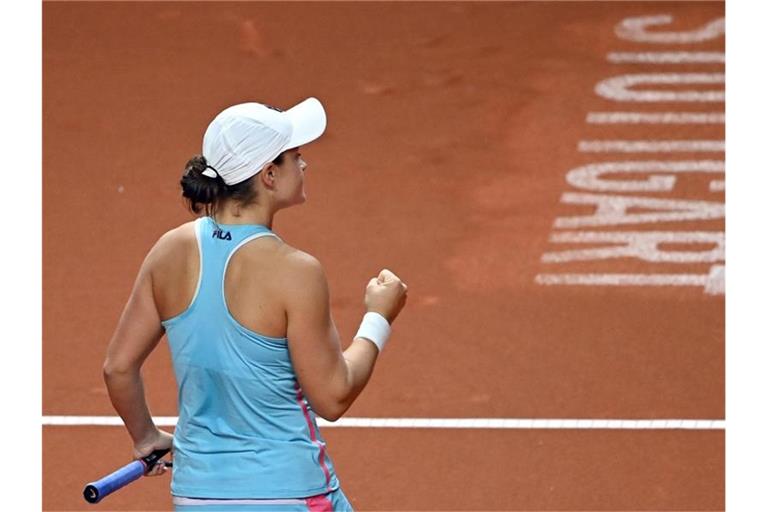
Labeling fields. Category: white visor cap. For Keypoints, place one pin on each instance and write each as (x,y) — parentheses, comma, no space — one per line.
(244,138)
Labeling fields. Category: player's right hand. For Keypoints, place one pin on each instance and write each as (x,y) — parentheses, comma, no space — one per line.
(157,440)
(386,295)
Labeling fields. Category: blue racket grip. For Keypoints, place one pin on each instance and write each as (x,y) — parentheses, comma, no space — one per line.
(94,492)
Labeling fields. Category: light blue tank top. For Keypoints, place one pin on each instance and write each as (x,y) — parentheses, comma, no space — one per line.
(245,429)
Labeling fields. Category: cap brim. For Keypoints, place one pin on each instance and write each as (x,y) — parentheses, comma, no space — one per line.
(308,120)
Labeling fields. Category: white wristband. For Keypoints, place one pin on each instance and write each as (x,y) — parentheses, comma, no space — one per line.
(375,328)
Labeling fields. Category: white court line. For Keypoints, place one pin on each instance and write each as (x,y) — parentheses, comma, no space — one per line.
(665,57)
(656,117)
(624,279)
(453,423)
(713,282)
(651,146)
(634,29)
(622,87)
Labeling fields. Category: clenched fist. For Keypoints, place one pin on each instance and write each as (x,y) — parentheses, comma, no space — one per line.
(386,295)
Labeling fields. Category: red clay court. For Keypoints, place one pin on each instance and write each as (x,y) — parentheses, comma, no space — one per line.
(546,177)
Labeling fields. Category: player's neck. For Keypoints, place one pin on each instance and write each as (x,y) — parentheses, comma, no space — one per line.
(253,214)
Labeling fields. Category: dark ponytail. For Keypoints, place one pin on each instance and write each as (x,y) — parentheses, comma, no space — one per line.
(203,193)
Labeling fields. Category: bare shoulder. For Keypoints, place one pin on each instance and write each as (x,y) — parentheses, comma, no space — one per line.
(300,262)
(302,274)
(172,244)
(281,257)
(180,234)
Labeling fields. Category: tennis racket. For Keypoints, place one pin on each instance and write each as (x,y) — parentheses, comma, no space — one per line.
(94,492)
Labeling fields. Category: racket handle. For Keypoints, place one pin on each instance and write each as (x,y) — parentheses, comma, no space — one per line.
(151,459)
(94,492)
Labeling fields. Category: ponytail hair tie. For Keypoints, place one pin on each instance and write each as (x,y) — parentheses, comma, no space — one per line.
(212,173)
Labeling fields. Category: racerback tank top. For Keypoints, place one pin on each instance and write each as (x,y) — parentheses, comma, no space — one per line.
(245,429)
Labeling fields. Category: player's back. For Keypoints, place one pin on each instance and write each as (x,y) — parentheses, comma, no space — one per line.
(245,428)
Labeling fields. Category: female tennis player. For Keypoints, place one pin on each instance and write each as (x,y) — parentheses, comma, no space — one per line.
(255,351)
